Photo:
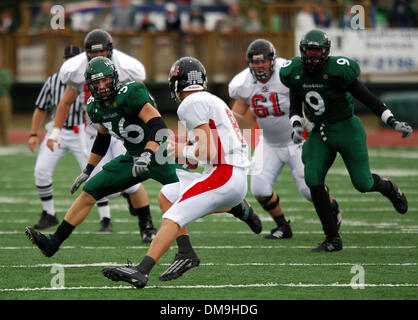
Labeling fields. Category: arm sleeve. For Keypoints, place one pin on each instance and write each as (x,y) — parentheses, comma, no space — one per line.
(295,105)
(361,93)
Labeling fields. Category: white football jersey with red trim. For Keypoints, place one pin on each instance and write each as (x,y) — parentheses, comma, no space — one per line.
(269,103)
(128,68)
(203,107)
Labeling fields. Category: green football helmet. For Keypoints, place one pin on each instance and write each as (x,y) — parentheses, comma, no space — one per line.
(100,68)
(314,39)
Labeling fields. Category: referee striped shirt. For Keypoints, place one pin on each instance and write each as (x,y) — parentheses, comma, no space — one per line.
(52,93)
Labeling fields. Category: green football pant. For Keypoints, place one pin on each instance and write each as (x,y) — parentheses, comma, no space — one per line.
(116,176)
(348,138)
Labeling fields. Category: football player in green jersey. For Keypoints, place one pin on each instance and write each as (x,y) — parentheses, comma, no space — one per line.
(325,86)
(127,112)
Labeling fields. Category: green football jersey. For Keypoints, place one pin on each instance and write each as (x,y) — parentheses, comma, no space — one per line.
(324,93)
(120,117)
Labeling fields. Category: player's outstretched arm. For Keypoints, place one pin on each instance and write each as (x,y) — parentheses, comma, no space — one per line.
(238,109)
(363,94)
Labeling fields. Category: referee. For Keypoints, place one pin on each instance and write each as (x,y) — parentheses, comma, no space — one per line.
(72,139)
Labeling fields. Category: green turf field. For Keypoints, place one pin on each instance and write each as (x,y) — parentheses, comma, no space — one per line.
(380,245)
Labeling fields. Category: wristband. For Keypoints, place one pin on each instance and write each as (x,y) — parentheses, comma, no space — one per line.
(89,168)
(386,115)
(239,116)
(33,135)
(55,134)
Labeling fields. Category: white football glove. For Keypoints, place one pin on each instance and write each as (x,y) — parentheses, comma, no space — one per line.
(141,164)
(403,127)
(297,133)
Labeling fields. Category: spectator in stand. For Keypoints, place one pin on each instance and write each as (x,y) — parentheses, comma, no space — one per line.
(348,15)
(42,22)
(233,22)
(172,18)
(253,23)
(6,81)
(304,19)
(147,24)
(8,24)
(322,18)
(196,23)
(403,14)
(123,17)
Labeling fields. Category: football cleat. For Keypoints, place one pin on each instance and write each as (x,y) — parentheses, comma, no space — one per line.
(397,197)
(147,230)
(47,246)
(280,232)
(46,221)
(106,225)
(336,213)
(329,245)
(128,274)
(180,265)
(250,217)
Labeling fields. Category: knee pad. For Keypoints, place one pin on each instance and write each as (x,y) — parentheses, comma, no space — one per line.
(269,206)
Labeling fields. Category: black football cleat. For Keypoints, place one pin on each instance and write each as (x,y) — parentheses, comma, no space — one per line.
(147,230)
(128,274)
(329,245)
(43,242)
(336,213)
(397,197)
(280,232)
(105,225)
(46,221)
(180,265)
(249,216)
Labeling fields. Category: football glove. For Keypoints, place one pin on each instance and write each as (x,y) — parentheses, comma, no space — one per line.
(141,163)
(297,132)
(403,127)
(82,178)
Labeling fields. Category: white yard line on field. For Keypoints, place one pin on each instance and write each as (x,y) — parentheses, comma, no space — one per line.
(115,264)
(279,246)
(219,286)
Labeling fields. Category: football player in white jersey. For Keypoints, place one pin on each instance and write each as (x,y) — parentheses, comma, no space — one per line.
(217,143)
(259,88)
(98,42)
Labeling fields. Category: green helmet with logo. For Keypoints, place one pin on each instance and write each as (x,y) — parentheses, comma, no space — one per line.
(100,68)
(314,39)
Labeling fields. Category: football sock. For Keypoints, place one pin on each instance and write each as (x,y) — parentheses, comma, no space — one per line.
(142,213)
(146,265)
(280,220)
(184,245)
(322,206)
(63,232)
(45,193)
(104,209)
(239,213)
(380,185)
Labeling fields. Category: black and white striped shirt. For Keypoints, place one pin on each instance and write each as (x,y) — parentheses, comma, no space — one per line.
(51,94)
